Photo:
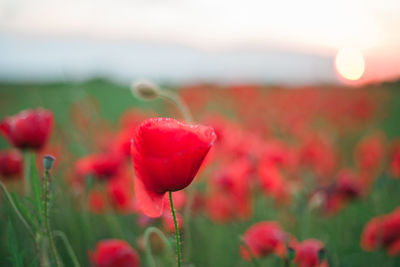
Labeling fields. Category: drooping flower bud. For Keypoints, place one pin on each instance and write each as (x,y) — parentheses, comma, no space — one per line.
(145,90)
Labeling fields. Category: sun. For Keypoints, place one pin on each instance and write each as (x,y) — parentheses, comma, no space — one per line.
(350,64)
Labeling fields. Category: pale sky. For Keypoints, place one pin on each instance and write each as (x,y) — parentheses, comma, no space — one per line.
(316,26)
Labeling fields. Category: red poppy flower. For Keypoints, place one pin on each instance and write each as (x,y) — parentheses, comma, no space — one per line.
(383,231)
(10,164)
(29,129)
(262,239)
(273,183)
(114,253)
(219,207)
(307,254)
(166,156)
(348,185)
(230,187)
(101,166)
(318,153)
(395,160)
(120,194)
(369,152)
(122,142)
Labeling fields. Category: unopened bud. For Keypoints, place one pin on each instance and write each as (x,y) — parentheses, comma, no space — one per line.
(321,254)
(291,254)
(48,162)
(146,90)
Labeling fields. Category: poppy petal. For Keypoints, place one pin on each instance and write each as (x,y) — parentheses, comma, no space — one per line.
(149,203)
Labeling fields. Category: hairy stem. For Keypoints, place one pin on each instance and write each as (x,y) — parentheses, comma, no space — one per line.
(46,201)
(27,173)
(178,241)
(179,103)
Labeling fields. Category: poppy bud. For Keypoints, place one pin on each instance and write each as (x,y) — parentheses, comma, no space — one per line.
(291,253)
(48,162)
(321,254)
(145,90)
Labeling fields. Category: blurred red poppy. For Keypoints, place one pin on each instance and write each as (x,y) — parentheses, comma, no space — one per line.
(10,164)
(120,194)
(262,239)
(166,156)
(96,201)
(100,166)
(308,254)
(369,152)
(395,160)
(29,129)
(348,185)
(114,253)
(383,231)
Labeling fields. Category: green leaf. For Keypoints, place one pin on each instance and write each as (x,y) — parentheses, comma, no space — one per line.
(36,186)
(22,207)
(16,258)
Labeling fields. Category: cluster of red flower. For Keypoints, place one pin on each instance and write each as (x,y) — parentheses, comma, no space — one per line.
(272,151)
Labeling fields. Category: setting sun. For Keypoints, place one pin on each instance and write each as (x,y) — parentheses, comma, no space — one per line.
(350,63)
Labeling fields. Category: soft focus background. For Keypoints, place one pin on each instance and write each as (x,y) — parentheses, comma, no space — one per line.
(287,42)
(304,96)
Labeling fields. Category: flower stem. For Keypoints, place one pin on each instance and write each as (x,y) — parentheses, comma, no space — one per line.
(178,241)
(179,103)
(16,210)
(147,244)
(69,247)
(27,172)
(46,218)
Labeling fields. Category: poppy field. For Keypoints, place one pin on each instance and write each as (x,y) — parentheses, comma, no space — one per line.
(105,175)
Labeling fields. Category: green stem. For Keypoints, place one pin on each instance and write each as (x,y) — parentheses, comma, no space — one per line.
(27,172)
(22,219)
(178,241)
(253,258)
(180,104)
(46,202)
(147,233)
(175,98)
(68,246)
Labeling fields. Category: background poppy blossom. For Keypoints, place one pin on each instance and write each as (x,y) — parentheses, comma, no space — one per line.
(29,129)
(114,253)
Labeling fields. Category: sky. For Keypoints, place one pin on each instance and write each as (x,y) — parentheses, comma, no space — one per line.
(317,28)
